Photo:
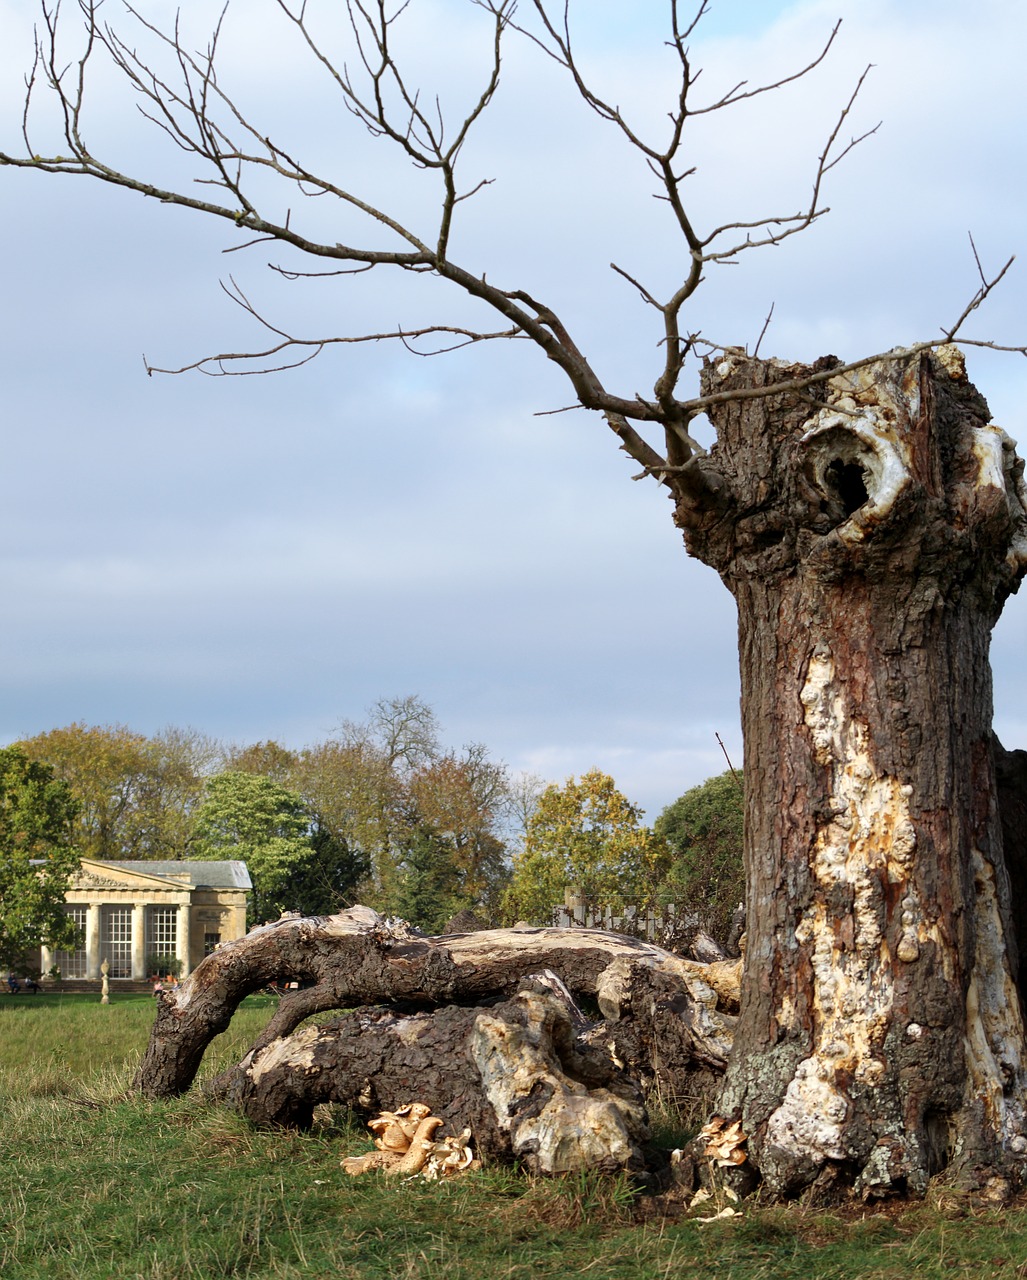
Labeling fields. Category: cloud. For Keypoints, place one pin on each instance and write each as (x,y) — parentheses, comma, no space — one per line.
(265,556)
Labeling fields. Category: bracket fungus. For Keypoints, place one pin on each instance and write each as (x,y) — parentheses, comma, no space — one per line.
(723,1142)
(406,1145)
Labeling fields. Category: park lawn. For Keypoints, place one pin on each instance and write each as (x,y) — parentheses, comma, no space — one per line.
(97,1183)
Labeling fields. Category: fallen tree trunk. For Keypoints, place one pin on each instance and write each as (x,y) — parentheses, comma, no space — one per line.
(664,1015)
(516,1074)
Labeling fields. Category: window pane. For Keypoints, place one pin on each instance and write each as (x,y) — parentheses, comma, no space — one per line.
(116,940)
(72,964)
(161,931)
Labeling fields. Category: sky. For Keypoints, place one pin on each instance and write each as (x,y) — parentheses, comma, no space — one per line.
(264,557)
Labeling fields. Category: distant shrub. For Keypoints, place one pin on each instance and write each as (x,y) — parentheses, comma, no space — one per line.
(704,829)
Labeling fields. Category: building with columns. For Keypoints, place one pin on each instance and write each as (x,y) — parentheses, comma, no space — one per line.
(131,913)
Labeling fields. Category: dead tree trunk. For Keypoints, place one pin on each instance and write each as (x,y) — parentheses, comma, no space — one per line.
(870,539)
(662,1014)
(516,1073)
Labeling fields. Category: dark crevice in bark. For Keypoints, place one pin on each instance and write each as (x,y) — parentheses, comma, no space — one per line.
(1011,778)
(848,480)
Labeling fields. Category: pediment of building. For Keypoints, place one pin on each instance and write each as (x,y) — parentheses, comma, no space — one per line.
(107,875)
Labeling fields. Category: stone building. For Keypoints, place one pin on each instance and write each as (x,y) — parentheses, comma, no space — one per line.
(131,913)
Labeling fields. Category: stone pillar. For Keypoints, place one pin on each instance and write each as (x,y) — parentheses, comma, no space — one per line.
(93,940)
(45,961)
(139,941)
(182,938)
(576,904)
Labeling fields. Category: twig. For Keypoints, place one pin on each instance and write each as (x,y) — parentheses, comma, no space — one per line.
(766,326)
(734,772)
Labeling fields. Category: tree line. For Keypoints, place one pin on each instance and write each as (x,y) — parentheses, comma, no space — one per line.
(381,812)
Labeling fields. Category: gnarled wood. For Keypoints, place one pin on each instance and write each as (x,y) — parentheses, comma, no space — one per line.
(516,1073)
(355,959)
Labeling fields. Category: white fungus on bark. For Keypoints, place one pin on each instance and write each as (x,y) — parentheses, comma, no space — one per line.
(868,838)
(995,1032)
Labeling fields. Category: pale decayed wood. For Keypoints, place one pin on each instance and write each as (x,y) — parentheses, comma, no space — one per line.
(517,1074)
(355,959)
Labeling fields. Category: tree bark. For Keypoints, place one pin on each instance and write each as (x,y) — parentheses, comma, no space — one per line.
(1011,777)
(870,539)
(518,1074)
(664,1014)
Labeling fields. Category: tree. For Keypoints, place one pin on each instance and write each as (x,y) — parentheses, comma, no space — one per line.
(393,818)
(520,1071)
(705,831)
(104,766)
(255,820)
(269,759)
(458,803)
(37,858)
(868,521)
(425,822)
(430,891)
(588,835)
(338,862)
(136,795)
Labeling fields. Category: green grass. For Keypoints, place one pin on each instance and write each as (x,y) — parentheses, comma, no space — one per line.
(75,1036)
(99,1184)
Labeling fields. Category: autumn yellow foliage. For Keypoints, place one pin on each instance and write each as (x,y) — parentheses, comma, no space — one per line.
(585,834)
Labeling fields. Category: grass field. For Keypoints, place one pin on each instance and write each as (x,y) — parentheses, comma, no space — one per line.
(98,1184)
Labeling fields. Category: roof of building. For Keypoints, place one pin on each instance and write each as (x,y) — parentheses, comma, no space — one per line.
(215,875)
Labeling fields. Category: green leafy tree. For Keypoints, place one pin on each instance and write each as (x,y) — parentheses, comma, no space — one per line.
(399,736)
(430,892)
(704,829)
(137,795)
(322,777)
(37,858)
(258,821)
(586,834)
(270,759)
(464,800)
(391,800)
(352,795)
(330,879)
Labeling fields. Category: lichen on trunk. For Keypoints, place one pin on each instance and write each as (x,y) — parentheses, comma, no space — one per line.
(870,539)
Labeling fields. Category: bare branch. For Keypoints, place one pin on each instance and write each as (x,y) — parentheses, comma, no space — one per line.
(633,444)
(551,413)
(646,295)
(681,36)
(315,275)
(199,116)
(740,94)
(222,365)
(791,224)
(982,293)
(763,331)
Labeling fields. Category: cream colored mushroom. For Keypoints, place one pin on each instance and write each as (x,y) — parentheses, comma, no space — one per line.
(405,1142)
(373,1160)
(451,1155)
(420,1148)
(724,1142)
(395,1129)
